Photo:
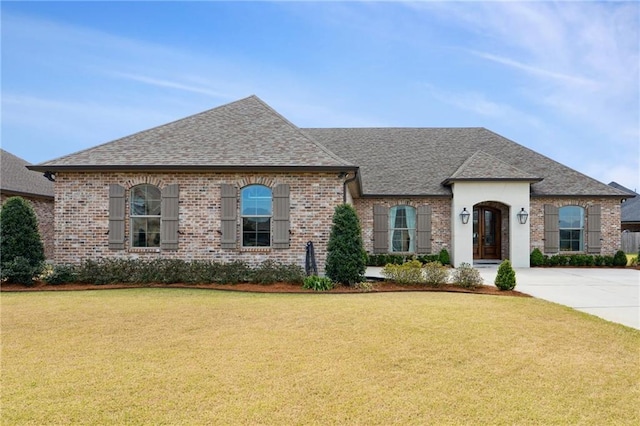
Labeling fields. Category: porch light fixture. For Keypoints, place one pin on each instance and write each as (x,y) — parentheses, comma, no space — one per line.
(464,216)
(522,216)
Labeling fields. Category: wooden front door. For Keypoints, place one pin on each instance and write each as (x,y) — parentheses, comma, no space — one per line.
(486,233)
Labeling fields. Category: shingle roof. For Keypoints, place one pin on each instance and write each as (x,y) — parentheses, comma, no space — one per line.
(416,161)
(15,178)
(630,209)
(246,133)
(482,166)
(392,161)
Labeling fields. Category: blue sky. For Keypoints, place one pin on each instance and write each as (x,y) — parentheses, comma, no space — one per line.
(561,78)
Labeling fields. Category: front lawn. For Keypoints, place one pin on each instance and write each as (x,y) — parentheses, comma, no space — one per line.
(188,356)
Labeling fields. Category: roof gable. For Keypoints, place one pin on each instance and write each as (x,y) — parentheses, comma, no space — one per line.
(17,179)
(245,133)
(482,166)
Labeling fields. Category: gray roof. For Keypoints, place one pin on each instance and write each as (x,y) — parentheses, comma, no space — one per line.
(392,161)
(630,209)
(245,133)
(16,179)
(482,166)
(416,161)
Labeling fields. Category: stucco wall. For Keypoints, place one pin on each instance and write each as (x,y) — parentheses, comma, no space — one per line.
(44,210)
(82,215)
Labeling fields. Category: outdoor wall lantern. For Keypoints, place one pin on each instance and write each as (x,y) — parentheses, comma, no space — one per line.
(464,216)
(522,216)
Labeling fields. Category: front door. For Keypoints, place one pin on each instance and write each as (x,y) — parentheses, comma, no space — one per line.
(486,233)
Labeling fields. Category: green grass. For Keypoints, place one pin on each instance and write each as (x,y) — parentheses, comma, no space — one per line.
(178,356)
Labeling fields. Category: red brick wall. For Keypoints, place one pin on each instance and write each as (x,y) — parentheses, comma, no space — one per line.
(610,220)
(44,210)
(82,203)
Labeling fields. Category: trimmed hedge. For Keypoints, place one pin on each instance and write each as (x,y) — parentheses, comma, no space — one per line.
(538,259)
(168,271)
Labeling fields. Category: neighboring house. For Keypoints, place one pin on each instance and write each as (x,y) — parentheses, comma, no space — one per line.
(17,180)
(630,209)
(240,182)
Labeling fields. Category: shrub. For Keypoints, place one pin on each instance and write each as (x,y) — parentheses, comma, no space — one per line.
(536,258)
(620,258)
(21,250)
(19,270)
(443,257)
(435,274)
(270,272)
(428,258)
(407,273)
(60,274)
(346,258)
(466,276)
(314,282)
(506,277)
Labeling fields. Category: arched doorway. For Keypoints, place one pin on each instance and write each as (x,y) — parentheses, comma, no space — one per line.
(487,226)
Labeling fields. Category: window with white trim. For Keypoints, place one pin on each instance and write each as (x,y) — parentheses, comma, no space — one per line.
(256,212)
(402,229)
(145,215)
(571,228)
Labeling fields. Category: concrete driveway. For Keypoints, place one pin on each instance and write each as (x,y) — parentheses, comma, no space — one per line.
(612,294)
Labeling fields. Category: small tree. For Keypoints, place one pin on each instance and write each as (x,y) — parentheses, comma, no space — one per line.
(21,250)
(506,277)
(346,258)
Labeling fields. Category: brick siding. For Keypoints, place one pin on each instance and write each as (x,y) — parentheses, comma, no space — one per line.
(440,218)
(82,206)
(609,217)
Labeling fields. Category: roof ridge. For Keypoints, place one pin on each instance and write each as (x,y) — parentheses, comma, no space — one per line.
(305,134)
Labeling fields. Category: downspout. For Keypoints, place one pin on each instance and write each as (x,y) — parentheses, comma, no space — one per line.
(344,186)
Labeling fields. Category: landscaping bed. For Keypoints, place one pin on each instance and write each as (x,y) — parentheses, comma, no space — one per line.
(281,287)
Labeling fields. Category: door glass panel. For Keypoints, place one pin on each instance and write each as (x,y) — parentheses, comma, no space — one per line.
(489,234)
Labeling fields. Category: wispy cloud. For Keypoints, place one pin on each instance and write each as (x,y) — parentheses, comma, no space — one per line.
(159,82)
(576,80)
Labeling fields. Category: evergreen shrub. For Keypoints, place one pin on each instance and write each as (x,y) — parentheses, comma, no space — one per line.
(620,258)
(506,276)
(466,276)
(536,258)
(21,249)
(346,258)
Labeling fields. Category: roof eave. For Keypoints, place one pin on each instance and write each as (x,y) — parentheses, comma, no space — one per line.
(449,181)
(188,168)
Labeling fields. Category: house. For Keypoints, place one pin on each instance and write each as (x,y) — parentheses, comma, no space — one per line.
(17,180)
(629,210)
(241,182)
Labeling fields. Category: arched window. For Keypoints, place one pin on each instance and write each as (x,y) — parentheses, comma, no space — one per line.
(145,216)
(571,227)
(402,228)
(256,212)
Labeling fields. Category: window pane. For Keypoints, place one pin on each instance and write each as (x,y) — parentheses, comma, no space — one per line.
(256,201)
(256,232)
(402,223)
(145,200)
(145,232)
(571,228)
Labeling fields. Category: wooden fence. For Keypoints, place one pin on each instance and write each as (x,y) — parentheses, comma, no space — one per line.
(630,242)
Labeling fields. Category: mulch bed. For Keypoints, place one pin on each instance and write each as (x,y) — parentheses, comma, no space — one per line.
(378,287)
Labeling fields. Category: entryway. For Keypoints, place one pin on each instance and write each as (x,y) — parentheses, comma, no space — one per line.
(487,225)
